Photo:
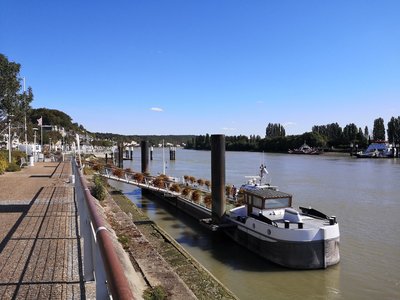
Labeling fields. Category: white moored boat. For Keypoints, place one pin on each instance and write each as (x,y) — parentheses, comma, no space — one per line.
(268,225)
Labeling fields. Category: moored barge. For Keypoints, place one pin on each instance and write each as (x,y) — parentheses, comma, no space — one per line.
(268,225)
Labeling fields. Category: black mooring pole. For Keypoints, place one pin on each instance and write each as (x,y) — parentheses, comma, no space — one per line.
(145,156)
(217,177)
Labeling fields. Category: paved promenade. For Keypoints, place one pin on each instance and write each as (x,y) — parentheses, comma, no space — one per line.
(40,249)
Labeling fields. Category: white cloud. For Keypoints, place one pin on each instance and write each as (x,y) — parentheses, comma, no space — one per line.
(158,109)
(289,124)
(228,128)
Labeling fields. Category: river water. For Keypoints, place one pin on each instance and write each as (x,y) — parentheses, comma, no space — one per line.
(364,194)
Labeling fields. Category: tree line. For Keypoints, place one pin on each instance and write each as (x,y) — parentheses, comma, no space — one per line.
(330,137)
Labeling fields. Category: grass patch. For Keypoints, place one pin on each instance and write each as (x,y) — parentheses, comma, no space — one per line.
(124,241)
(155,293)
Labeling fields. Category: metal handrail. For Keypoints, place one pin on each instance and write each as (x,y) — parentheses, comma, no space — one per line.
(98,247)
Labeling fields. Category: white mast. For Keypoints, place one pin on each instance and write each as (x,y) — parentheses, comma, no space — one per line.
(163,158)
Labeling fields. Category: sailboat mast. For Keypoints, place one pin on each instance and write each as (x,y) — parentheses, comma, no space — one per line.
(163,158)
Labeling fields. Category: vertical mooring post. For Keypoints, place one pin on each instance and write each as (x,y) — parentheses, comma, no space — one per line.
(151,153)
(172,152)
(131,152)
(145,156)
(106,159)
(217,177)
(120,156)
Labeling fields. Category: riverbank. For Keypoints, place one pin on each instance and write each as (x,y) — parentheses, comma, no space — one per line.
(157,256)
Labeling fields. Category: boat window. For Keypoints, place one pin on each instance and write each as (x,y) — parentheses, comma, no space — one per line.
(257,202)
(247,198)
(277,203)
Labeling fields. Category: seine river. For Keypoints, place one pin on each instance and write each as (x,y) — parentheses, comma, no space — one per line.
(364,194)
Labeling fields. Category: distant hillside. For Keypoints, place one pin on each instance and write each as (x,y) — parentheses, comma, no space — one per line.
(55,117)
(58,118)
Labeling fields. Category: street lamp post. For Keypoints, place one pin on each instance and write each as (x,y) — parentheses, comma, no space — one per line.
(9,138)
(26,133)
(34,144)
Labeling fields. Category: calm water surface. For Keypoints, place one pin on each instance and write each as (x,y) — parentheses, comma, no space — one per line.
(364,194)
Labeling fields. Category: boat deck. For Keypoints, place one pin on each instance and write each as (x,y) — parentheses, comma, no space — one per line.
(277,219)
(308,222)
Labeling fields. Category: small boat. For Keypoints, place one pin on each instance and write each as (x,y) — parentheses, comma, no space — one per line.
(268,225)
(305,149)
(378,149)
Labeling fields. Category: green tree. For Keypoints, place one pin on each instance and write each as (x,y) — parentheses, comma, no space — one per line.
(378,132)
(9,86)
(393,130)
(350,132)
(12,101)
(55,136)
(362,140)
(274,130)
(53,117)
(332,132)
(366,132)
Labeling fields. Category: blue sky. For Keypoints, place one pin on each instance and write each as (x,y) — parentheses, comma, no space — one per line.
(209,66)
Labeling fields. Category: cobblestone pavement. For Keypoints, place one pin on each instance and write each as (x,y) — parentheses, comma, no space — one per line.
(40,254)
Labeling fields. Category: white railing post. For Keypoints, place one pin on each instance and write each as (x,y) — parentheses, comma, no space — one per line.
(100,273)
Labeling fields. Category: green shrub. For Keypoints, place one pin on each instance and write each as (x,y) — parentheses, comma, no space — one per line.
(13,167)
(99,191)
(17,155)
(87,170)
(3,164)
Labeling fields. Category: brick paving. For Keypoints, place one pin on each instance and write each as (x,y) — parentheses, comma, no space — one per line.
(40,253)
